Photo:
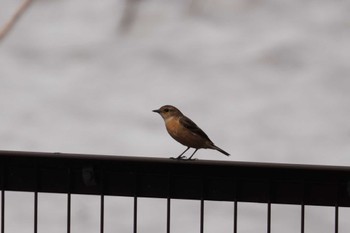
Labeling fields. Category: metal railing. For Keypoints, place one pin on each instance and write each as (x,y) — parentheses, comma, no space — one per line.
(173,179)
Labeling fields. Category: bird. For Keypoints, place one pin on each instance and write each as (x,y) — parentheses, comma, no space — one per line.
(185,131)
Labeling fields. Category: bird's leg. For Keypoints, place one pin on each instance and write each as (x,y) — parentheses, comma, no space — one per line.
(183,157)
(180,156)
(192,154)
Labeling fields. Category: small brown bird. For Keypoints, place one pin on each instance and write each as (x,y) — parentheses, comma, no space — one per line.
(185,131)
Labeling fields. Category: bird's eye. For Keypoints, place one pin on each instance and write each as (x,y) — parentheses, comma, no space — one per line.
(166,110)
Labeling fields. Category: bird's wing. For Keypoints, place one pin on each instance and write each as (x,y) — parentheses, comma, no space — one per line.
(189,124)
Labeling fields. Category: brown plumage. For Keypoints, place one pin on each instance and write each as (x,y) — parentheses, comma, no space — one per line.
(185,131)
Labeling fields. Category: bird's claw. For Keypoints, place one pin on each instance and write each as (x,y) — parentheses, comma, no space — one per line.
(190,159)
(179,158)
(183,158)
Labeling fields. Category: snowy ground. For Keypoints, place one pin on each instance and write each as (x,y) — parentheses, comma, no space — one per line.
(269,81)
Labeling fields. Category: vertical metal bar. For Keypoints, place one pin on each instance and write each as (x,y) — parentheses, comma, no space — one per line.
(269,208)
(202,216)
(35,212)
(336,230)
(235,206)
(202,206)
(303,211)
(3,198)
(269,217)
(136,183)
(235,212)
(36,199)
(302,218)
(168,215)
(135,214)
(102,203)
(69,199)
(102,213)
(3,210)
(68,212)
(168,206)
(336,219)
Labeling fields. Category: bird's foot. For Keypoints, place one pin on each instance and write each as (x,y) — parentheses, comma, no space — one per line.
(190,159)
(179,158)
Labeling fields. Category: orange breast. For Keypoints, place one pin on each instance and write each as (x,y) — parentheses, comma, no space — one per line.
(173,126)
(184,135)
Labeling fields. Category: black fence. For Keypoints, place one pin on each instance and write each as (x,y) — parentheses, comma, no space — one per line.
(173,179)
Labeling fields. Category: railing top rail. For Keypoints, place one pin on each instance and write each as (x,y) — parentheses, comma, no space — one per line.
(167,178)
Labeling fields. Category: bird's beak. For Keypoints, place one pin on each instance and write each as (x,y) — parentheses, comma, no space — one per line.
(157,111)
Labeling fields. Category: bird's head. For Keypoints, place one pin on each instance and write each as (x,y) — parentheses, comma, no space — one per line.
(168,111)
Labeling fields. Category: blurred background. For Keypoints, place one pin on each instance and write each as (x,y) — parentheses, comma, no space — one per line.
(267,80)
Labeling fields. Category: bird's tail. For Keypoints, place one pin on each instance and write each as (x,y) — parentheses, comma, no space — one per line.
(219,149)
